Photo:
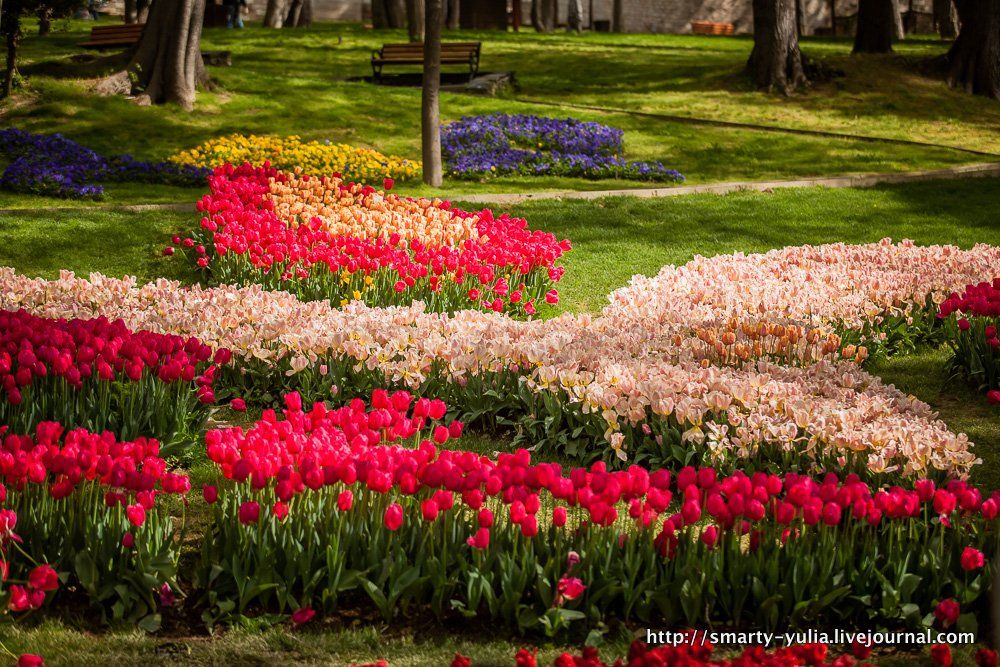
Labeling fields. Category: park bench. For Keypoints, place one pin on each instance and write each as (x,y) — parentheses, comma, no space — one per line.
(114,36)
(711,28)
(452,53)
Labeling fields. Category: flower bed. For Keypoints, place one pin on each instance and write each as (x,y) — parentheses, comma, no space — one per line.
(500,144)
(886,294)
(98,374)
(321,158)
(87,504)
(972,334)
(327,505)
(573,384)
(57,166)
(326,239)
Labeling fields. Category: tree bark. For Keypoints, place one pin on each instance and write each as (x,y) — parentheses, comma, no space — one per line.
(275,12)
(396,13)
(131,15)
(142,11)
(946,18)
(167,65)
(876,27)
(546,16)
(299,14)
(775,63)
(618,16)
(44,20)
(415,20)
(430,115)
(897,20)
(574,16)
(13,34)
(974,58)
(536,15)
(455,14)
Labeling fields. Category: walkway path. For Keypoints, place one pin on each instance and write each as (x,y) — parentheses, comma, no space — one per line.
(980,170)
(857,181)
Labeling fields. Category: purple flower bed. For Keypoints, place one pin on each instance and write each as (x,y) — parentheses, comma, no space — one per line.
(51,164)
(500,143)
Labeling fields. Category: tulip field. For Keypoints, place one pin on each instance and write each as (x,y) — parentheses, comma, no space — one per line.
(320,414)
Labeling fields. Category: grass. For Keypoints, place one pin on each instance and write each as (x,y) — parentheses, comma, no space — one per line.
(690,76)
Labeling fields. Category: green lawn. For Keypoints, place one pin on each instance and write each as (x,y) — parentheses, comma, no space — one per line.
(310,72)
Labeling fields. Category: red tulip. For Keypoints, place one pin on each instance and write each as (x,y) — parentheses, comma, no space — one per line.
(393,518)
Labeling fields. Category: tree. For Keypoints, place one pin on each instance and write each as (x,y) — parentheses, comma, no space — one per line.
(11,12)
(430,113)
(299,14)
(946,18)
(775,63)
(876,27)
(574,16)
(275,13)
(454,14)
(388,13)
(167,65)
(618,16)
(974,59)
(10,25)
(546,15)
(415,20)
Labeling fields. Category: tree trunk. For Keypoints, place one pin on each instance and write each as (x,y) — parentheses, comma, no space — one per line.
(536,15)
(455,14)
(131,15)
(876,27)
(974,58)
(430,115)
(618,16)
(167,65)
(274,14)
(13,35)
(379,18)
(574,16)
(775,63)
(415,20)
(396,13)
(800,19)
(946,18)
(897,21)
(44,20)
(546,16)
(299,14)
(142,11)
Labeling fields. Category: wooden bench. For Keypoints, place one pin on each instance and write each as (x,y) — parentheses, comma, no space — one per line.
(114,36)
(711,28)
(452,53)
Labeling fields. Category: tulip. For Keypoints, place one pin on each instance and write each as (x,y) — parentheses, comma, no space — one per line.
(972,559)
(249,512)
(947,612)
(43,578)
(29,660)
(302,615)
(393,518)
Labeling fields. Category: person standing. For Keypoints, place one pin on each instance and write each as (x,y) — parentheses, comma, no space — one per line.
(234,12)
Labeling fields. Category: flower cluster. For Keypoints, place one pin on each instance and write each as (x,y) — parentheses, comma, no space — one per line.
(322,158)
(973,334)
(57,166)
(87,504)
(696,653)
(100,374)
(446,257)
(652,395)
(330,490)
(500,143)
(888,293)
